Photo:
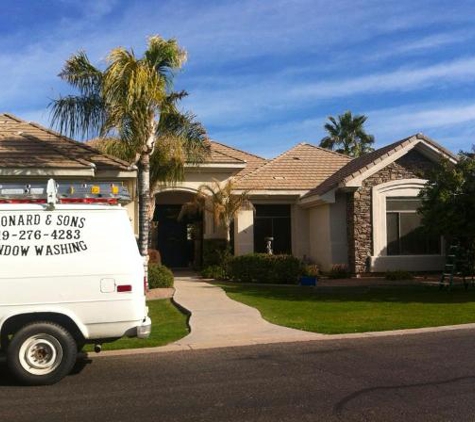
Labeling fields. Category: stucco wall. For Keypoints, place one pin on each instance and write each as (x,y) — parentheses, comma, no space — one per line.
(299,231)
(320,238)
(244,232)
(327,233)
(360,244)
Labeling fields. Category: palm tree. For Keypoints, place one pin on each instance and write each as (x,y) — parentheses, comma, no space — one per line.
(133,100)
(182,140)
(220,201)
(347,135)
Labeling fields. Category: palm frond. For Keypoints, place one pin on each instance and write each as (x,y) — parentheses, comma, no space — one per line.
(115,147)
(347,135)
(81,74)
(165,57)
(78,115)
(128,82)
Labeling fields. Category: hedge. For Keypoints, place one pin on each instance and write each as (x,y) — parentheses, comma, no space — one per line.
(264,268)
(215,251)
(214,271)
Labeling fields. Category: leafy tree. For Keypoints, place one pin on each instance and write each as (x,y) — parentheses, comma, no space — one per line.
(219,200)
(448,201)
(131,99)
(347,135)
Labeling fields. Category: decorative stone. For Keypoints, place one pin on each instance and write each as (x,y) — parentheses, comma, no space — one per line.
(359,228)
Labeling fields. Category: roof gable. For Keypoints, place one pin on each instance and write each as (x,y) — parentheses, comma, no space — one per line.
(220,151)
(357,170)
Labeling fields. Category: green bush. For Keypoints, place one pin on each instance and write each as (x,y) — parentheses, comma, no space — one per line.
(214,271)
(264,268)
(159,276)
(215,252)
(399,275)
(339,271)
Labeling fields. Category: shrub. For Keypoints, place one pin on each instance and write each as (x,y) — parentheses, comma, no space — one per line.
(399,275)
(215,252)
(264,268)
(339,271)
(214,271)
(159,276)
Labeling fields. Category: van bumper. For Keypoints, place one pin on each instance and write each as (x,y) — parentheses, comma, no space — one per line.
(144,330)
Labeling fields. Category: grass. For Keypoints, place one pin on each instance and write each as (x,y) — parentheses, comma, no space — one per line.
(333,310)
(168,325)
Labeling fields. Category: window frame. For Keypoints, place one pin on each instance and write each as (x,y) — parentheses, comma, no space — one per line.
(399,212)
(403,188)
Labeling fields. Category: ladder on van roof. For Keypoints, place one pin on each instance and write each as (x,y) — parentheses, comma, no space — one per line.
(64,192)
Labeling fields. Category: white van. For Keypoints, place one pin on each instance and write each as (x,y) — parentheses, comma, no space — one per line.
(70,274)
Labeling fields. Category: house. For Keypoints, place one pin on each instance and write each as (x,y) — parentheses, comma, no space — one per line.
(31,153)
(315,203)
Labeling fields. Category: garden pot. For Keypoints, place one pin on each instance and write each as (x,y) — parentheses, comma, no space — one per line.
(308,281)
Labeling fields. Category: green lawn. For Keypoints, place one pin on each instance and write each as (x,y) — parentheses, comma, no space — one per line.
(333,310)
(168,325)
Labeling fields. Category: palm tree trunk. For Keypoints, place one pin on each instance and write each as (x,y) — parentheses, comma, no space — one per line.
(144,202)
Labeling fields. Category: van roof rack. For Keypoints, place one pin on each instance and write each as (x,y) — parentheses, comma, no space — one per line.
(64,192)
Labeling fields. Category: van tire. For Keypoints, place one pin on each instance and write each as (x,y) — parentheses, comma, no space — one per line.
(41,353)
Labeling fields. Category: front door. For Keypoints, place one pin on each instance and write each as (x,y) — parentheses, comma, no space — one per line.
(176,239)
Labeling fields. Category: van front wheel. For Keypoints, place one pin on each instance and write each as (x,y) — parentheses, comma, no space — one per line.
(41,353)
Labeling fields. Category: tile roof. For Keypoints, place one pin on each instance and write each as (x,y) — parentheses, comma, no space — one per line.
(29,145)
(365,162)
(219,151)
(301,168)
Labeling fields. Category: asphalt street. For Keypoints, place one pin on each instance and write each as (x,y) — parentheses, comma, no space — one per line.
(425,377)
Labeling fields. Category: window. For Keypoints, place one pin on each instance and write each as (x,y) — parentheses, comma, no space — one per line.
(272,221)
(405,235)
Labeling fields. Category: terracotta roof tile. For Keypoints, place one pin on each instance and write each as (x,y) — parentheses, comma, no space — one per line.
(301,168)
(219,150)
(29,145)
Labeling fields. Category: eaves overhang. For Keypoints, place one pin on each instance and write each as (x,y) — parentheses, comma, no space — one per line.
(46,172)
(316,200)
(271,192)
(221,166)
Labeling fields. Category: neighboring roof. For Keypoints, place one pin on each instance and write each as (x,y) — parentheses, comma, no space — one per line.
(29,145)
(301,168)
(364,163)
(219,157)
(219,151)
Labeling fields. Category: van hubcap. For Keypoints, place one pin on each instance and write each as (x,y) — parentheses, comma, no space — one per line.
(41,354)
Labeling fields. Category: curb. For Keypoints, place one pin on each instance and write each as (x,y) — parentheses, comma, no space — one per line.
(173,347)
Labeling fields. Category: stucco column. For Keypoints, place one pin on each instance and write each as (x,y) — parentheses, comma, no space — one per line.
(244,232)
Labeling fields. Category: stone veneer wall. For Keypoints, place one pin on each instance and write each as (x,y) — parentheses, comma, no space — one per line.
(360,234)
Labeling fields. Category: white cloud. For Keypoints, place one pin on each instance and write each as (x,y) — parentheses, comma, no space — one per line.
(400,80)
(451,124)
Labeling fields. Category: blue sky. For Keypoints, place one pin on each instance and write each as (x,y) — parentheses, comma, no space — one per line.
(265,75)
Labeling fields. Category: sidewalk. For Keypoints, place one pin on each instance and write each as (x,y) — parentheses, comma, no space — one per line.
(218,321)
